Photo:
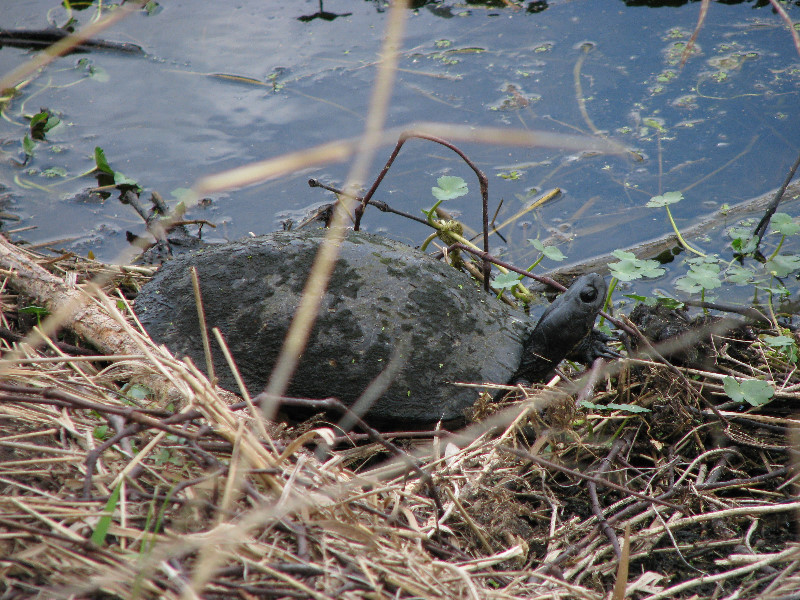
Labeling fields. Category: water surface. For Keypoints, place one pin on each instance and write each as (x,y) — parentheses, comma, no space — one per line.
(222,85)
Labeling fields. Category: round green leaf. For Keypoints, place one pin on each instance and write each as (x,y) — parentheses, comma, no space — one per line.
(664,200)
(449,187)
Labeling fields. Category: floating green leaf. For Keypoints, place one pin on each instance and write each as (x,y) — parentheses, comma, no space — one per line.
(657,300)
(55,172)
(95,72)
(181,193)
(449,187)
(739,232)
(703,274)
(120,179)
(28,145)
(529,193)
(784,224)
(657,124)
(152,8)
(101,162)
(739,275)
(741,241)
(630,268)
(102,165)
(664,200)
(42,122)
(646,300)
(783,264)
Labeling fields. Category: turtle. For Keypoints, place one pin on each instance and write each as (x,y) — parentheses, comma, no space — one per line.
(388,307)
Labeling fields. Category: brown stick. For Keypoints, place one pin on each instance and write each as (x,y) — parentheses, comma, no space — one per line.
(482,180)
(761,228)
(542,462)
(71,302)
(73,307)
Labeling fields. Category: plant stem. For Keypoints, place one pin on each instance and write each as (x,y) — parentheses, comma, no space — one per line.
(519,291)
(774,254)
(682,241)
(533,266)
(611,287)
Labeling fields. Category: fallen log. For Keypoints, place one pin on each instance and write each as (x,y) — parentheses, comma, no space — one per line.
(78,308)
(654,247)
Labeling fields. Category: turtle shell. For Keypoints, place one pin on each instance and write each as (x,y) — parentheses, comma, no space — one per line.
(386,304)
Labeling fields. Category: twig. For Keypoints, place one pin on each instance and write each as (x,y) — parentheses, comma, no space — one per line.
(622,569)
(469,521)
(599,481)
(42,38)
(482,180)
(789,23)
(380,205)
(590,380)
(11,336)
(201,320)
(63,46)
(65,399)
(660,358)
(790,553)
(690,44)
(329,404)
(605,464)
(761,228)
(745,311)
(93,456)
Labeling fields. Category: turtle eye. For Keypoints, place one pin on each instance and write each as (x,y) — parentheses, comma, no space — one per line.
(589,295)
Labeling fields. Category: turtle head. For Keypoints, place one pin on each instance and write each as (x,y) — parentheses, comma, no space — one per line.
(562,326)
(571,316)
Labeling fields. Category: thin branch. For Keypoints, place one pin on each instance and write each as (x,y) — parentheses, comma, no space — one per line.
(761,228)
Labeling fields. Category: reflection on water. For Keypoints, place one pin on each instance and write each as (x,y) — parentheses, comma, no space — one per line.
(223,86)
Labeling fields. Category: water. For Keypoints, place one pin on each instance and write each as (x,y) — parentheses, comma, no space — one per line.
(221,86)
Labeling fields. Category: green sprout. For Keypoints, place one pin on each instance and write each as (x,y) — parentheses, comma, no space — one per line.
(101,164)
(782,344)
(447,188)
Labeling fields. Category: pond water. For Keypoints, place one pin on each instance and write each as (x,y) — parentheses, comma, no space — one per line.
(220,85)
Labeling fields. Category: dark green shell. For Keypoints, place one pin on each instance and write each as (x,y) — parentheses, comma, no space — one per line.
(384,298)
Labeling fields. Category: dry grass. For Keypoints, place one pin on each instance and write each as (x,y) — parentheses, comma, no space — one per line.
(212,506)
(106,492)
